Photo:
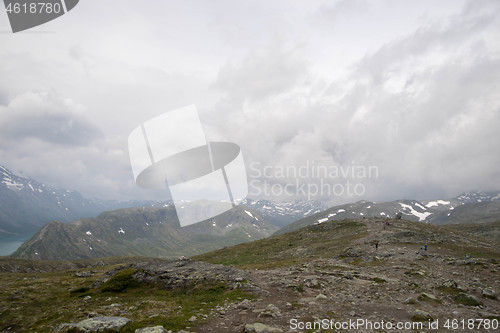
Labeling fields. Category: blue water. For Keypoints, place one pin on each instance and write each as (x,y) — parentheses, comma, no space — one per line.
(10,244)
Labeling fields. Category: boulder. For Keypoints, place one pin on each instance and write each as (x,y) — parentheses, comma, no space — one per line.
(261,328)
(99,324)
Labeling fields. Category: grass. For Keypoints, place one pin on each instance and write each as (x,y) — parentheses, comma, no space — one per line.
(120,281)
(450,290)
(301,246)
(38,302)
(464,299)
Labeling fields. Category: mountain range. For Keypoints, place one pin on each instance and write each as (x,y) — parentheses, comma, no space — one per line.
(153,232)
(26,205)
(476,207)
(150,228)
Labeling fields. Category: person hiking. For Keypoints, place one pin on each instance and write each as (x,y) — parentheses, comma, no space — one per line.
(376,246)
(425,247)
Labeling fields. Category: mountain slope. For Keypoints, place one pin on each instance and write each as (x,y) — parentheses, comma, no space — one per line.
(467,208)
(284,213)
(142,231)
(480,212)
(352,238)
(489,230)
(333,270)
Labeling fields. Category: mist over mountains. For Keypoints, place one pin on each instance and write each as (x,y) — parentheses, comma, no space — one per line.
(151,228)
(26,204)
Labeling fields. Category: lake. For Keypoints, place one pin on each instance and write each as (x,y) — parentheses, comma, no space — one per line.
(9,244)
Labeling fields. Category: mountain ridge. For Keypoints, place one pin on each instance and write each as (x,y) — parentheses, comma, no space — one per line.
(26,204)
(141,231)
(467,207)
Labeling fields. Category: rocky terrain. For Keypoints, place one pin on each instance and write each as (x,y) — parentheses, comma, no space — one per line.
(328,271)
(457,278)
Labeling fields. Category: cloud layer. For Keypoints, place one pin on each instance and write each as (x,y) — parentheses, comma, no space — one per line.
(412,89)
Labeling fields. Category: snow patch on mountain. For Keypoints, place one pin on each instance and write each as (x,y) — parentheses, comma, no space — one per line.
(436,203)
(421,216)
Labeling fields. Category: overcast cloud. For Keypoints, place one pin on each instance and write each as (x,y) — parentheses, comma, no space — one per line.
(411,88)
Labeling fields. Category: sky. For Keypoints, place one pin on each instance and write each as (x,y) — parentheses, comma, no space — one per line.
(329,100)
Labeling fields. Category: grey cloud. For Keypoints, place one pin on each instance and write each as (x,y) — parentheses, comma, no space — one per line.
(56,128)
(3,98)
(264,72)
(458,32)
(433,134)
(46,118)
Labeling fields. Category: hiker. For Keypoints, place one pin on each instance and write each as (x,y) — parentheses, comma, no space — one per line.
(425,247)
(376,246)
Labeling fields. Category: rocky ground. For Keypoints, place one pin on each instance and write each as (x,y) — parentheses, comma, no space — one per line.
(315,276)
(397,282)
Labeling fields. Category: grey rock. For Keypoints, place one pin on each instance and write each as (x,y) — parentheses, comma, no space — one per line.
(181,273)
(312,283)
(450,284)
(489,293)
(421,315)
(261,328)
(321,297)
(244,305)
(427,297)
(271,311)
(410,300)
(154,329)
(99,324)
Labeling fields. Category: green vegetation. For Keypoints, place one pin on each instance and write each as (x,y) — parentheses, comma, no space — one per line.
(379,280)
(38,302)
(179,305)
(120,281)
(450,290)
(465,299)
(318,241)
